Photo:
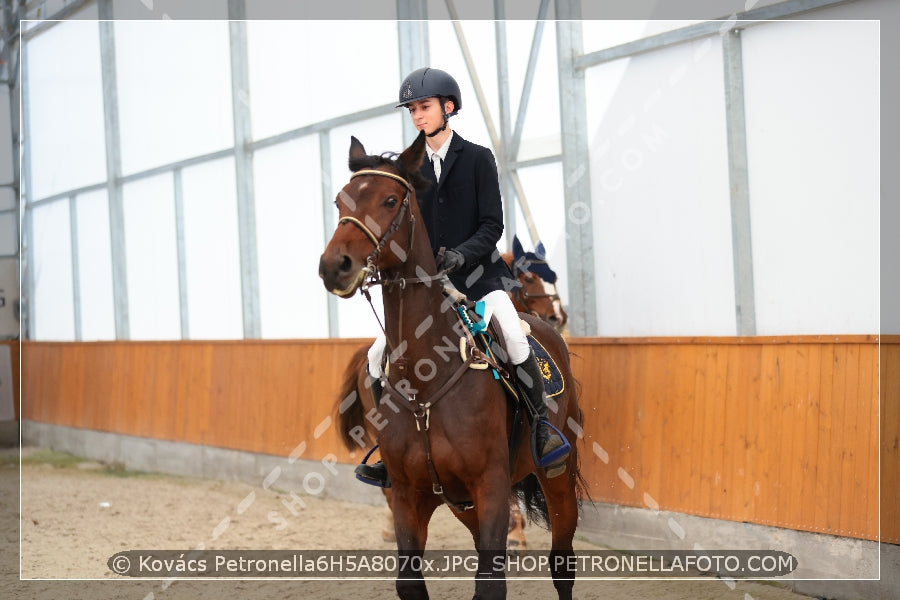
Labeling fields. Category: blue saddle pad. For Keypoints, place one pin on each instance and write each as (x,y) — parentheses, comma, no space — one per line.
(554,384)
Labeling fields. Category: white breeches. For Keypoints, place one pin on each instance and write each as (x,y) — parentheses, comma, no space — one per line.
(507,318)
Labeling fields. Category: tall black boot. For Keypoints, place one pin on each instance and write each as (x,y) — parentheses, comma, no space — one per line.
(550,449)
(376,473)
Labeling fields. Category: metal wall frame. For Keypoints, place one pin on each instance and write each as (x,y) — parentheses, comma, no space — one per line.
(413,52)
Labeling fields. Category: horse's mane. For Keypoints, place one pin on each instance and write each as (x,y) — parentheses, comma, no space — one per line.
(372,161)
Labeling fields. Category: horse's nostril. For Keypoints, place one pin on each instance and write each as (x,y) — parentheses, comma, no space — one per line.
(345,264)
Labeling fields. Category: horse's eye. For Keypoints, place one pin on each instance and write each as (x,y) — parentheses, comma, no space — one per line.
(529,277)
(391,202)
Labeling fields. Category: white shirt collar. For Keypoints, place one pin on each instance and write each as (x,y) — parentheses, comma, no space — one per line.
(442,151)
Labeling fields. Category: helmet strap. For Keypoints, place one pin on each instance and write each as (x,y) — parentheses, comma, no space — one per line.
(446,119)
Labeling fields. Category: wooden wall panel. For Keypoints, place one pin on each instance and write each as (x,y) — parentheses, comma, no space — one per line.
(14,366)
(776,431)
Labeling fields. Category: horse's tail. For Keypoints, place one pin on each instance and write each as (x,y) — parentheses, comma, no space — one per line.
(349,406)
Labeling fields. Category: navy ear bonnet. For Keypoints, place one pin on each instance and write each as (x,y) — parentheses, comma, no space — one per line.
(534,262)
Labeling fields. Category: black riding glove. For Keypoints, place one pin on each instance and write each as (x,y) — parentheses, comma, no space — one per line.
(453,260)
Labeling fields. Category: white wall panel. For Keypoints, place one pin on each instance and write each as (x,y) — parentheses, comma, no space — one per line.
(289,239)
(95,267)
(812,134)
(52,302)
(659,183)
(151,253)
(174,90)
(65,110)
(212,254)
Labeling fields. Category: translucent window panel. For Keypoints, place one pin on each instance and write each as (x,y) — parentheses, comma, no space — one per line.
(7,198)
(95,267)
(9,233)
(447,56)
(544,191)
(174,90)
(813,169)
(212,251)
(326,78)
(660,193)
(52,301)
(65,109)
(289,240)
(383,134)
(152,261)
(540,134)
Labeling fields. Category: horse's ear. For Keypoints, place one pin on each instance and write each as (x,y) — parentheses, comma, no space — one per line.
(518,250)
(412,157)
(540,252)
(356,148)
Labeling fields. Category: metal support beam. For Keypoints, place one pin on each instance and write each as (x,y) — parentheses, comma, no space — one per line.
(328,221)
(516,139)
(704,29)
(576,171)
(243,168)
(180,254)
(76,271)
(114,169)
(503,154)
(744,298)
(412,35)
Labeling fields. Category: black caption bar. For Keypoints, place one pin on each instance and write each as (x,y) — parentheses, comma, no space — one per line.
(335,564)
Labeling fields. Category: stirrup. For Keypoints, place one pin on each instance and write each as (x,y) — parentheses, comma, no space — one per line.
(555,456)
(369,474)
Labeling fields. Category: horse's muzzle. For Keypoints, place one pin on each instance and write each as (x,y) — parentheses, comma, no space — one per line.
(339,274)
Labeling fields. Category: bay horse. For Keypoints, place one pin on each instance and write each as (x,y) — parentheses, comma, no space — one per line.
(445,437)
(536,296)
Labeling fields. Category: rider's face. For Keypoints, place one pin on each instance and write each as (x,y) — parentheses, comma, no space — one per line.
(426,114)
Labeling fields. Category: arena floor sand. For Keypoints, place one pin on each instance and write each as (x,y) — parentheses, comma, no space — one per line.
(75,516)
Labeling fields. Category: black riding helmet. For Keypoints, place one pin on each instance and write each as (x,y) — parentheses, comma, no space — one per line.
(430,83)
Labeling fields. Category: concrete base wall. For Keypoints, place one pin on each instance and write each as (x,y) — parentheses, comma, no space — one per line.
(850,567)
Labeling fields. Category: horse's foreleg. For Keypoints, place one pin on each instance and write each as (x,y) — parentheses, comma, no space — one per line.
(562,504)
(387,528)
(492,508)
(411,516)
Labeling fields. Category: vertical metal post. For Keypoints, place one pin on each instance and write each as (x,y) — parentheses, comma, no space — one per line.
(328,221)
(26,249)
(114,169)
(180,253)
(76,274)
(243,166)
(576,171)
(744,296)
(503,157)
(412,34)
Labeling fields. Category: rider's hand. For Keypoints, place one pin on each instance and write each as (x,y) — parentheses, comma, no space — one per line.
(452,260)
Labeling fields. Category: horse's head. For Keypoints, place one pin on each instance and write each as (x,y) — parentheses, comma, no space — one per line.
(377,211)
(538,294)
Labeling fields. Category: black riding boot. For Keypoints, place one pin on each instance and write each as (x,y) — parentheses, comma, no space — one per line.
(376,473)
(531,381)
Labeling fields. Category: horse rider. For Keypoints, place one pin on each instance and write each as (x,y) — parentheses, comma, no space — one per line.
(463,212)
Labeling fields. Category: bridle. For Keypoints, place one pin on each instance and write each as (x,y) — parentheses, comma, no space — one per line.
(368,272)
(524,298)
